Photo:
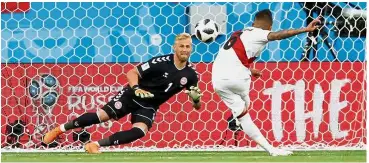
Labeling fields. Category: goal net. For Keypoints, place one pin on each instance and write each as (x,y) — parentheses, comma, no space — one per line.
(60,60)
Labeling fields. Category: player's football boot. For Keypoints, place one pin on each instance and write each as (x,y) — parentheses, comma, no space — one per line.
(92,148)
(280,152)
(52,135)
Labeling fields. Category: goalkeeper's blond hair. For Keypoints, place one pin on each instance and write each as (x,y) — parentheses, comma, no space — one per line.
(182,36)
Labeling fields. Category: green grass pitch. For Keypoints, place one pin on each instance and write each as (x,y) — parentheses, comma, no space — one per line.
(236,156)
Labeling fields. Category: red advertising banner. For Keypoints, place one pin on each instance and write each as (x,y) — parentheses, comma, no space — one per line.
(13,7)
(297,103)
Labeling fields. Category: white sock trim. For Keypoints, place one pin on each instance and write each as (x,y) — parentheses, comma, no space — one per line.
(62,128)
(97,143)
(98,116)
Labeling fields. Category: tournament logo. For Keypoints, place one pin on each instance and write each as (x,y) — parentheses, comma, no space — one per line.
(44,91)
(183,81)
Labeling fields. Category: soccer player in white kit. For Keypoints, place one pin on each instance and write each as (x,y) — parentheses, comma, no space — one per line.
(231,74)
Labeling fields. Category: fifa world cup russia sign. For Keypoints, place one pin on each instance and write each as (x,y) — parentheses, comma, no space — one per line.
(298,103)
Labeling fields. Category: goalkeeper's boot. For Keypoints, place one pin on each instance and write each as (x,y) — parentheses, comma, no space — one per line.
(92,148)
(280,152)
(52,135)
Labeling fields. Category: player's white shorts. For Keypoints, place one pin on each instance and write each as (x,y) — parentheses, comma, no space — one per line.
(234,93)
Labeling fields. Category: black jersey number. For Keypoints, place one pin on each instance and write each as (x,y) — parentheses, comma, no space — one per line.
(231,41)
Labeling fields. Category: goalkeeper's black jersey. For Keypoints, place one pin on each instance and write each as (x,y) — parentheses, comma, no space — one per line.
(162,78)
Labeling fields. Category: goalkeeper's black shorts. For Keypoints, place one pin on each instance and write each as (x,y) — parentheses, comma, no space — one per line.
(123,104)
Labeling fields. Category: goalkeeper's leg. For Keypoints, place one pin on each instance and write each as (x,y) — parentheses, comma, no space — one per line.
(115,108)
(142,120)
(84,120)
(137,131)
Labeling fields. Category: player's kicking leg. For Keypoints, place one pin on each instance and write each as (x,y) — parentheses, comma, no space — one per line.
(235,95)
(254,133)
(84,120)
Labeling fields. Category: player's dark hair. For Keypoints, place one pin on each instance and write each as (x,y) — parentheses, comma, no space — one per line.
(264,15)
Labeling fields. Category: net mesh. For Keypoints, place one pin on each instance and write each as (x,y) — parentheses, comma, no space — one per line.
(60,60)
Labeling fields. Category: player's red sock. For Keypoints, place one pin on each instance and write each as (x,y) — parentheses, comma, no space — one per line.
(122,137)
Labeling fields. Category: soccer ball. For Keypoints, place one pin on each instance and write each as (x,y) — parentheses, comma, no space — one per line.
(206,30)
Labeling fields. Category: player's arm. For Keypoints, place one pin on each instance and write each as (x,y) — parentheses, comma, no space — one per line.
(292,32)
(133,76)
(196,105)
(193,91)
(195,95)
(255,72)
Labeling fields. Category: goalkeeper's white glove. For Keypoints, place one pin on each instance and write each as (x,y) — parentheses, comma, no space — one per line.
(194,93)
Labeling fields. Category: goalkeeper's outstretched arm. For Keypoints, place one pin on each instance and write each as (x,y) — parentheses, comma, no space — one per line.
(132,77)
(196,104)
(292,32)
(195,95)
